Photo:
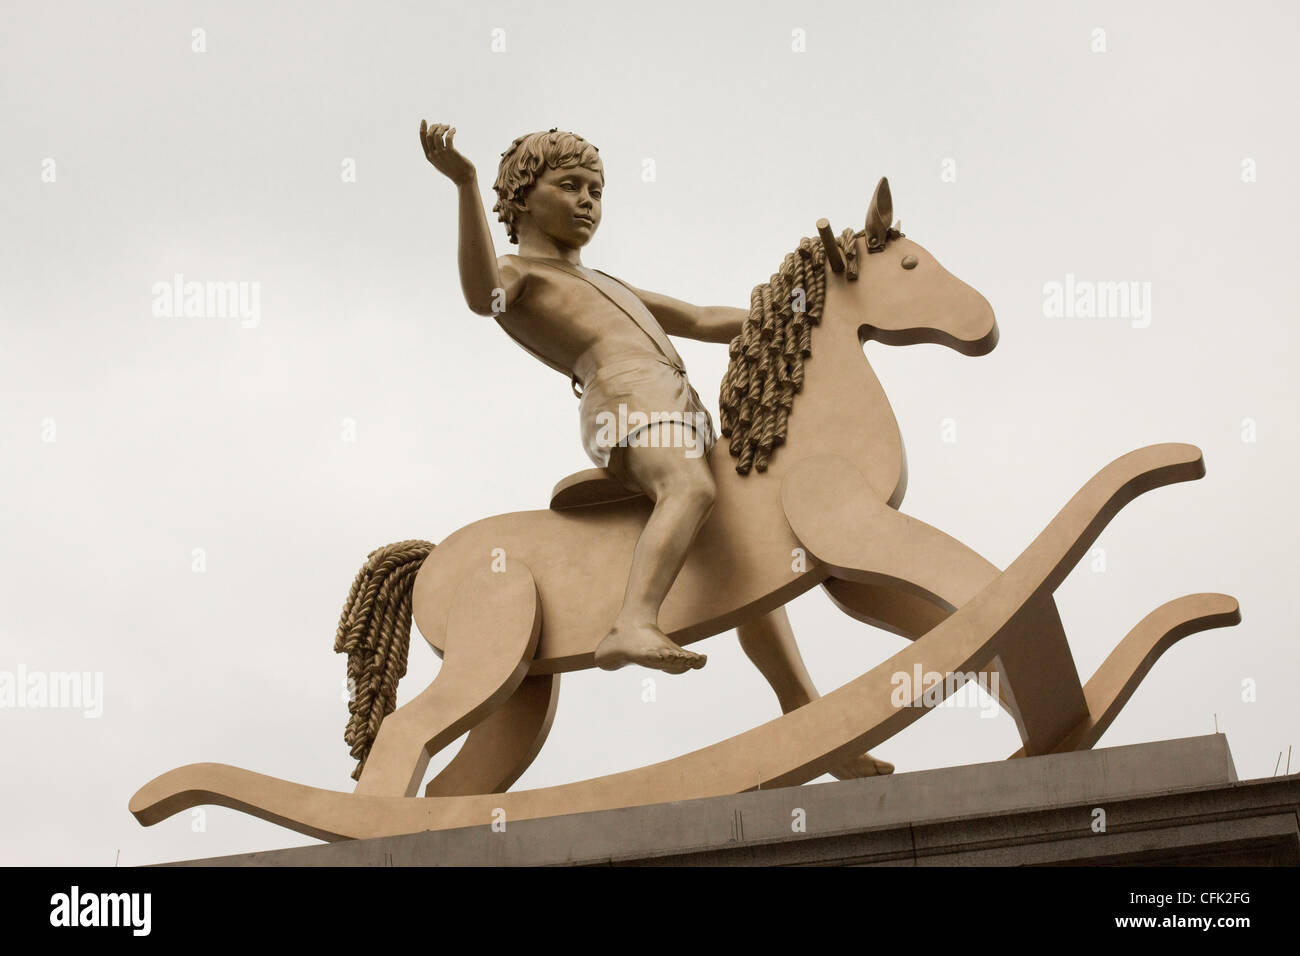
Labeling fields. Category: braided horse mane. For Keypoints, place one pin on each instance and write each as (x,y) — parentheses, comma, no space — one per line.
(767,357)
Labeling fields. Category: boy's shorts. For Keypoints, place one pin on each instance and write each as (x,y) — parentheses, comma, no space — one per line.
(627,395)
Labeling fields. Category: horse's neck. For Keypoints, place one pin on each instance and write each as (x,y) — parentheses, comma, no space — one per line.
(842,410)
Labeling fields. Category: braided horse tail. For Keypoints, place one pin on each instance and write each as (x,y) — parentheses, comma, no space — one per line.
(767,357)
(375,633)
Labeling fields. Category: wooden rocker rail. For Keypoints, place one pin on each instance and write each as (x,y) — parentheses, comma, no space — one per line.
(798,746)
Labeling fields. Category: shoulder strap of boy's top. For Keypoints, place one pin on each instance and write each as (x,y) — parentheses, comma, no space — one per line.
(659,336)
(630,305)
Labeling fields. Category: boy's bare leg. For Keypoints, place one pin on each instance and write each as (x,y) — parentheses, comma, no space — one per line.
(683,490)
(768,641)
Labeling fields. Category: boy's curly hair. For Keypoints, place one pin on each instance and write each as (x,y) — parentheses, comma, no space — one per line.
(522,163)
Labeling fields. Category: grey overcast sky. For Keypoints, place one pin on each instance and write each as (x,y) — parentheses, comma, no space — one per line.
(1027,144)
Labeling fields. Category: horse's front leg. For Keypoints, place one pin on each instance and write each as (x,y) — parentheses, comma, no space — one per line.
(768,641)
(906,575)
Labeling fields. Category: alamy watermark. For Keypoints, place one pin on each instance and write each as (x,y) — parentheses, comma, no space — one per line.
(179,299)
(685,430)
(75,908)
(1088,299)
(933,689)
(53,690)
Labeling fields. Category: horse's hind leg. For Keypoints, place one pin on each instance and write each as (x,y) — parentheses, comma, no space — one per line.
(492,631)
(499,750)
(768,641)
(901,612)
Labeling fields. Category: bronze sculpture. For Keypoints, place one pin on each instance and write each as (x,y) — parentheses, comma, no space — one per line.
(513,601)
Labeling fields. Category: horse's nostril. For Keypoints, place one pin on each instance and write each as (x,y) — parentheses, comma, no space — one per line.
(909,262)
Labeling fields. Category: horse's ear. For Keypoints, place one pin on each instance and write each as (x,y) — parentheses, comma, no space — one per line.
(879,215)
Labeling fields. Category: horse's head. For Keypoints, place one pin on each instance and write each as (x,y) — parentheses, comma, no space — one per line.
(875,284)
(902,295)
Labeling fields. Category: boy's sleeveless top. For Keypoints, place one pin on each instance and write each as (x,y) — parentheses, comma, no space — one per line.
(628,303)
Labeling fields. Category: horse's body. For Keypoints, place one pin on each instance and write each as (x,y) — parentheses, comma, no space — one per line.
(746,561)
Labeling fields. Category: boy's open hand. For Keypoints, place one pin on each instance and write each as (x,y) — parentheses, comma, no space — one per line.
(443,155)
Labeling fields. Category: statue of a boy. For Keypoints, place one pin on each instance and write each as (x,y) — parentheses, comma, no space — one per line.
(641,418)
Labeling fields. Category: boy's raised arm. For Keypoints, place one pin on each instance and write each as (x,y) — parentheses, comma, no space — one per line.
(479,278)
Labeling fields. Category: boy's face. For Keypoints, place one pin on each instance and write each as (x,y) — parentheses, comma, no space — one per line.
(565,204)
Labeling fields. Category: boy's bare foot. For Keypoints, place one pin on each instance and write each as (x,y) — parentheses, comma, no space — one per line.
(645,645)
(863,766)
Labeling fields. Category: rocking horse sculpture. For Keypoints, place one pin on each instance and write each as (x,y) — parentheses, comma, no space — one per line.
(513,601)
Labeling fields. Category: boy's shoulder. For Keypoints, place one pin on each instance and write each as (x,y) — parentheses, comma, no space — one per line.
(512,263)
(515,267)
(525,265)
(515,273)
